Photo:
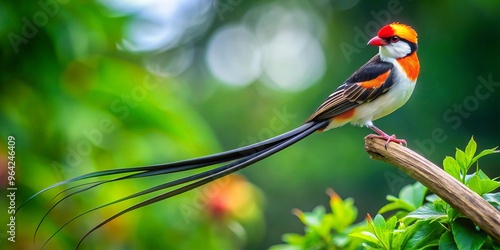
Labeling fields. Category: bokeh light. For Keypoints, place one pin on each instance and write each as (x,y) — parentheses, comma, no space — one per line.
(285,34)
(161,25)
(234,56)
(265,45)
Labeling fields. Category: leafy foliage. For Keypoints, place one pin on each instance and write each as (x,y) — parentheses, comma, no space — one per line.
(326,230)
(420,221)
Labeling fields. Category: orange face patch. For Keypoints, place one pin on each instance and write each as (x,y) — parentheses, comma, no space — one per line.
(410,65)
(377,82)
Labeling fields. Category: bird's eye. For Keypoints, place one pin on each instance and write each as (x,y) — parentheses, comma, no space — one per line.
(394,39)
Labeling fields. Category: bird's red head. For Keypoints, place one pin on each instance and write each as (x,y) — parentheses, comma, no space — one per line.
(392,33)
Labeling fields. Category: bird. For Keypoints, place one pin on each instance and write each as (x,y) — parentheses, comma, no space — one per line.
(376,89)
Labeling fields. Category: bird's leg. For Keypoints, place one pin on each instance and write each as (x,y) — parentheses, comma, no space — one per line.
(388,138)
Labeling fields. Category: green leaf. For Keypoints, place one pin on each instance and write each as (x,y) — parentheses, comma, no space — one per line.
(402,235)
(470,149)
(482,186)
(493,199)
(451,167)
(410,197)
(413,194)
(384,230)
(447,242)
(432,198)
(452,214)
(429,211)
(391,197)
(430,245)
(286,247)
(397,204)
(342,240)
(367,236)
(466,235)
(426,233)
(326,225)
(389,207)
(369,247)
(484,153)
(482,175)
(294,239)
(314,218)
(344,213)
(462,161)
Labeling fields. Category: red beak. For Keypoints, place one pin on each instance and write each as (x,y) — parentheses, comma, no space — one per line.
(377,41)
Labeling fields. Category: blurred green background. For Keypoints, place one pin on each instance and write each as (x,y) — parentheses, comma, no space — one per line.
(93,85)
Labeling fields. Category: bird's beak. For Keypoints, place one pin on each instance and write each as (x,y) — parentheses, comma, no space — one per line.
(377,41)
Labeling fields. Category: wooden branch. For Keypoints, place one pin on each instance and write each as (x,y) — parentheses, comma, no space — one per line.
(439,182)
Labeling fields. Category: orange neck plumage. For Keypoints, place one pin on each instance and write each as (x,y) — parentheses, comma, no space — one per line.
(410,65)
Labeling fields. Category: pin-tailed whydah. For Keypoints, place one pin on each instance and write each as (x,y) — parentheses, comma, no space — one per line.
(376,89)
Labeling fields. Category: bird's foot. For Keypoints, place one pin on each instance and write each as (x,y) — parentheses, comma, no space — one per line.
(389,138)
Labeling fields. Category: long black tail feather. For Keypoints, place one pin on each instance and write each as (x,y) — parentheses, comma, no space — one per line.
(183,165)
(236,159)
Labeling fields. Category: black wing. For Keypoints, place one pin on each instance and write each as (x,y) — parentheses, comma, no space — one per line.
(370,81)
